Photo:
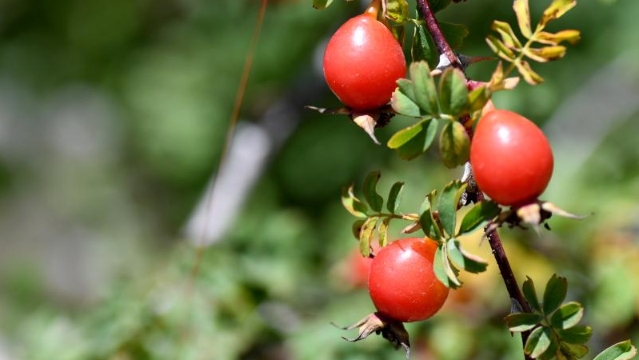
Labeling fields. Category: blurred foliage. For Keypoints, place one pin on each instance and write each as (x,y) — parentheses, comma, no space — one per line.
(113,115)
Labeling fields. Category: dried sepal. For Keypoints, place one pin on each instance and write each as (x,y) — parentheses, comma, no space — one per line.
(378,324)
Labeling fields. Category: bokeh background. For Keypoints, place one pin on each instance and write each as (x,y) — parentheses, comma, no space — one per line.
(113,117)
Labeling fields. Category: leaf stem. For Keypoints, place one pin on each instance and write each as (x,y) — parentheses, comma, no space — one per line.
(436,32)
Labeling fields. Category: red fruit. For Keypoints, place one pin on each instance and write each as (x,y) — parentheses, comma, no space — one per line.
(402,283)
(511,158)
(362,63)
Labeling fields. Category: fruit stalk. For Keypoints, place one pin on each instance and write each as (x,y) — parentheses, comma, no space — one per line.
(436,32)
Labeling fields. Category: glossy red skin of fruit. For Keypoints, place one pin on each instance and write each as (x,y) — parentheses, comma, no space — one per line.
(402,283)
(511,158)
(362,63)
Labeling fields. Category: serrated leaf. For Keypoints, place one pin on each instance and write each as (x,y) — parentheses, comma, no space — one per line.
(520,322)
(454,33)
(620,351)
(357,228)
(545,54)
(454,144)
(395,197)
(402,103)
(500,49)
(453,92)
(555,293)
(353,204)
(368,229)
(414,140)
(573,351)
(447,205)
(575,335)
(538,342)
(423,47)
(531,294)
(556,10)
(528,73)
(397,11)
(478,216)
(507,34)
(567,316)
(374,200)
(321,4)
(424,88)
(522,11)
(464,260)
(571,36)
(429,226)
(383,231)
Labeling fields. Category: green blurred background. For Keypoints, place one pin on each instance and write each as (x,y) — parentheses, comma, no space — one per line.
(113,117)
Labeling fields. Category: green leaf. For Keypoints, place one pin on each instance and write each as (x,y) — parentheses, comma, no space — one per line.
(620,351)
(374,200)
(453,93)
(507,34)
(477,99)
(454,144)
(438,267)
(424,88)
(538,342)
(428,201)
(395,197)
(414,140)
(555,293)
(321,4)
(531,294)
(423,47)
(429,226)
(402,102)
(575,335)
(573,351)
(556,10)
(366,235)
(438,5)
(500,49)
(383,231)
(357,228)
(469,262)
(353,204)
(454,33)
(519,322)
(447,205)
(478,216)
(567,316)
(397,11)
(522,11)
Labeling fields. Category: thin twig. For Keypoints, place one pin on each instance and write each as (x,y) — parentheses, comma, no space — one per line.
(493,237)
(436,32)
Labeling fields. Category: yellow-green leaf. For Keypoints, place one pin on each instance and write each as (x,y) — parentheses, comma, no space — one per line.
(556,10)
(507,34)
(500,49)
(571,36)
(522,11)
(545,54)
(528,73)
